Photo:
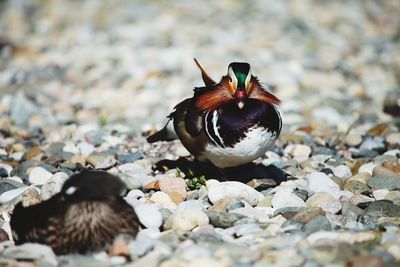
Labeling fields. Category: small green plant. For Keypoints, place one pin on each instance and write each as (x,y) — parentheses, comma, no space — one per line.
(195,183)
(103,120)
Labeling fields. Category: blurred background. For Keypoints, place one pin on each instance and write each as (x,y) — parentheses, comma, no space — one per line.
(332,63)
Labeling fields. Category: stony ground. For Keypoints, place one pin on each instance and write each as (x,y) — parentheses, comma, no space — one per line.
(82,83)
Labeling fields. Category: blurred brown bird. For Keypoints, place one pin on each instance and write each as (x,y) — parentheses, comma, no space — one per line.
(85,216)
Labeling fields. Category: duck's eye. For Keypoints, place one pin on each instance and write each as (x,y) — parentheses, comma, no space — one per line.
(230,79)
(70,190)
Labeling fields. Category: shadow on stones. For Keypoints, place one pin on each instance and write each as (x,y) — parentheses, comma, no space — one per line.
(244,173)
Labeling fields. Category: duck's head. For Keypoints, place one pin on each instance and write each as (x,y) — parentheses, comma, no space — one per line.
(239,81)
(92,186)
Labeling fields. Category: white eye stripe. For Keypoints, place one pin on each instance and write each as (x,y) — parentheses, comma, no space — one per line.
(70,190)
(232,76)
(248,78)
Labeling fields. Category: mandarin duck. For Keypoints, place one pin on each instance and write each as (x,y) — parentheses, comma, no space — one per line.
(85,216)
(229,123)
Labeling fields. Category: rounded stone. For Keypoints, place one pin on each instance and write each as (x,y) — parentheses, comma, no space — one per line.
(233,189)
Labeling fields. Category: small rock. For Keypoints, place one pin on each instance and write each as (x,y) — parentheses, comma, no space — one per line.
(373,143)
(353,140)
(32,153)
(303,194)
(318,223)
(149,215)
(8,184)
(168,185)
(222,219)
(368,168)
(86,148)
(362,177)
(186,220)
(31,252)
(233,189)
(350,210)
(222,204)
(385,182)
(380,194)
(379,209)
(365,261)
(394,166)
(53,185)
(356,187)
(286,198)
(119,248)
(77,159)
(135,193)
(394,196)
(342,171)
(128,158)
(325,201)
(191,205)
(101,160)
(320,182)
(3,235)
(164,199)
(262,184)
(39,176)
(307,214)
(393,139)
(298,151)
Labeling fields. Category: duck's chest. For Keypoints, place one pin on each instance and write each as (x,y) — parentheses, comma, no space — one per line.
(229,126)
(239,136)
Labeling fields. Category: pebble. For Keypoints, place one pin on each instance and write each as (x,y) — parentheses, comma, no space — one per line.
(307,214)
(169,185)
(149,215)
(389,182)
(318,223)
(285,197)
(223,220)
(320,182)
(368,168)
(101,160)
(53,185)
(163,199)
(342,171)
(379,209)
(353,140)
(393,139)
(233,189)
(39,176)
(365,261)
(8,184)
(298,151)
(186,220)
(325,201)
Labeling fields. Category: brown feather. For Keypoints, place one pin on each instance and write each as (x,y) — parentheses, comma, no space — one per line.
(257,91)
(208,81)
(218,95)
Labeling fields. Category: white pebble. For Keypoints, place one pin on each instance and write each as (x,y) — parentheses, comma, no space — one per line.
(285,197)
(368,168)
(342,171)
(320,182)
(380,194)
(53,185)
(233,189)
(186,220)
(149,215)
(39,176)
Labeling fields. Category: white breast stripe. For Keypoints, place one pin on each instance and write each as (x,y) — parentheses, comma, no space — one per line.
(206,126)
(216,128)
